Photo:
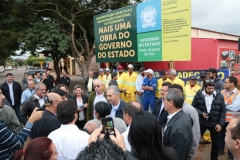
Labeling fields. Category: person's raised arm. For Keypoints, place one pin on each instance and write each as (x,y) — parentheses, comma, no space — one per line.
(8,140)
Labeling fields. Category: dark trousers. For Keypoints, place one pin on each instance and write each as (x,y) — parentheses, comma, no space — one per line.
(221,142)
(214,138)
(17,110)
(81,124)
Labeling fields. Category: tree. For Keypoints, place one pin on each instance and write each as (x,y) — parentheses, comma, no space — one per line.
(20,62)
(12,22)
(34,61)
(45,37)
(78,23)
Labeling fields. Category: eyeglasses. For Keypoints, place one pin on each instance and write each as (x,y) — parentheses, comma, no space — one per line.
(209,80)
(97,86)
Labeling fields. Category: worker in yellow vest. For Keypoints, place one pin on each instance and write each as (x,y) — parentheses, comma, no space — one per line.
(101,76)
(107,78)
(130,79)
(121,81)
(160,82)
(232,100)
(172,75)
(191,89)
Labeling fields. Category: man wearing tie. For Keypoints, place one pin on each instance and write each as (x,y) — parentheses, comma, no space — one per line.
(159,111)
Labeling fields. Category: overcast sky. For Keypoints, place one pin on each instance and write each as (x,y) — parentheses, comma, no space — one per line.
(217,15)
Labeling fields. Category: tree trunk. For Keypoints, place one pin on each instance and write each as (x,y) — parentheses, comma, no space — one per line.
(56,68)
(81,64)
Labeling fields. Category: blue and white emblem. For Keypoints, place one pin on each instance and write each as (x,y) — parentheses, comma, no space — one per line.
(148,17)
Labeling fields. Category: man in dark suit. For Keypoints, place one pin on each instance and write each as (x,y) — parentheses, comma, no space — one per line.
(159,110)
(12,90)
(117,104)
(178,130)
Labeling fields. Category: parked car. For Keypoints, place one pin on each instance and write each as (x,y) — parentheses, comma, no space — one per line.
(33,70)
(1,70)
(8,68)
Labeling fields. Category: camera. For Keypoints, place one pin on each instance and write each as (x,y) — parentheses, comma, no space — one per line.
(42,108)
(108,127)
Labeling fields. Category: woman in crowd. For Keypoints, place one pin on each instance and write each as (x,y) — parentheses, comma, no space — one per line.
(65,88)
(41,148)
(147,144)
(81,101)
(103,109)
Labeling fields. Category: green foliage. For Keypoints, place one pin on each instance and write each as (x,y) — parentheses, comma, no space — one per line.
(34,61)
(14,64)
(20,62)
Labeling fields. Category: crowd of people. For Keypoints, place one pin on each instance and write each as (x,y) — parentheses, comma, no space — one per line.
(153,119)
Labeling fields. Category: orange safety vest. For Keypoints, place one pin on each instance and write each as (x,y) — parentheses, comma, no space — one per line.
(229,100)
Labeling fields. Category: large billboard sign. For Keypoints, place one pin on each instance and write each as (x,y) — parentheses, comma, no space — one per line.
(149,31)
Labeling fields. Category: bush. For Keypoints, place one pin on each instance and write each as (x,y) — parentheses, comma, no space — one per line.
(34,61)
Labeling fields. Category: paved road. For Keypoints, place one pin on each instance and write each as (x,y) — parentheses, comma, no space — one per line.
(203,152)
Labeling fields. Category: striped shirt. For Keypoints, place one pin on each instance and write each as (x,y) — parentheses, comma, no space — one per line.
(10,142)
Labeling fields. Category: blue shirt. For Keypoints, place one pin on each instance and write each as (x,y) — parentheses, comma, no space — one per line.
(114,110)
(151,83)
(27,93)
(139,82)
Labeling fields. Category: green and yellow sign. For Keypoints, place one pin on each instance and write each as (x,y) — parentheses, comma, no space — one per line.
(157,30)
(115,35)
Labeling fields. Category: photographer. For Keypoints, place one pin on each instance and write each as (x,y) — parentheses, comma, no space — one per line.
(211,108)
(49,121)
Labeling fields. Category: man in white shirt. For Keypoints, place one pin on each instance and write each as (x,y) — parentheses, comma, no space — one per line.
(129,112)
(117,104)
(68,139)
(211,109)
(38,78)
(138,85)
(94,97)
(89,83)
(12,90)
(35,100)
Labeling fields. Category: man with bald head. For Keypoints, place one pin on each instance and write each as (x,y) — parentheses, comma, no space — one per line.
(49,121)
(129,113)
